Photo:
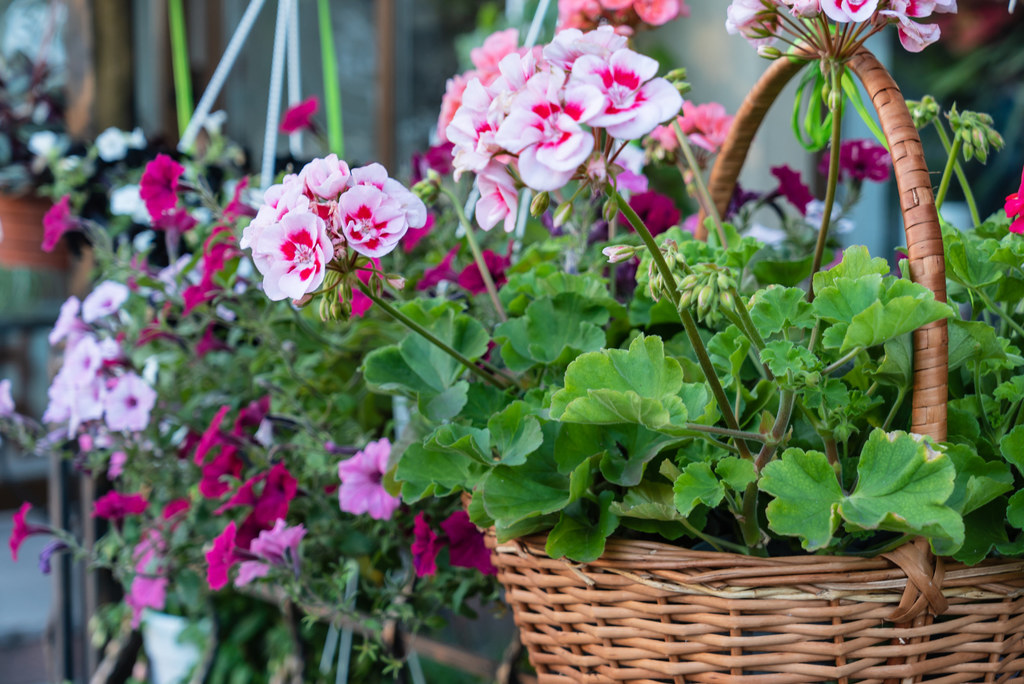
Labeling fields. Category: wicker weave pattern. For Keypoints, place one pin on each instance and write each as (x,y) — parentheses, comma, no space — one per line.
(917,202)
(649,612)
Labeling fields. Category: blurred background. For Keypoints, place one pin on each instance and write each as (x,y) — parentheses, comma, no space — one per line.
(110,63)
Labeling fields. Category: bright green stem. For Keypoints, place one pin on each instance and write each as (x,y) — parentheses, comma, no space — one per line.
(430,337)
(997,309)
(961,177)
(947,173)
(179,63)
(833,175)
(687,320)
(750,330)
(895,407)
(332,89)
(478,256)
(703,195)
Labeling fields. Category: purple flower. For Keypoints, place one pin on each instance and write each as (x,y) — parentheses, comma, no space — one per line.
(6,400)
(792,188)
(105,299)
(361,490)
(466,544)
(46,554)
(67,321)
(860,160)
(425,547)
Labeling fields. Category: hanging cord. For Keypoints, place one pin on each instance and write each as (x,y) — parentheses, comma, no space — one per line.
(220,74)
(274,98)
(294,77)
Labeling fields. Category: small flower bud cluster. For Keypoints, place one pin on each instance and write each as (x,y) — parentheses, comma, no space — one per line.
(923,111)
(710,289)
(975,132)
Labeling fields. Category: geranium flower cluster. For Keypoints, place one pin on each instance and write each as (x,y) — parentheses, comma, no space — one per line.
(706,126)
(324,213)
(624,15)
(95,381)
(761,21)
(539,122)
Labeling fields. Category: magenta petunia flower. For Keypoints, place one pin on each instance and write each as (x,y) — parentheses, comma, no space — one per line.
(278,546)
(425,547)
(175,507)
(466,548)
(1014,206)
(158,187)
(472,281)
(221,557)
(792,188)
(145,592)
(57,221)
(277,488)
(443,271)
(361,490)
(299,117)
(236,208)
(117,506)
(860,160)
(657,211)
(22,529)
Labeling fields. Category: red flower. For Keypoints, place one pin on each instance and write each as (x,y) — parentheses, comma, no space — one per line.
(116,506)
(657,211)
(57,221)
(22,529)
(425,547)
(792,188)
(300,116)
(1015,207)
(471,280)
(175,507)
(279,488)
(236,208)
(158,187)
(860,160)
(466,544)
(221,557)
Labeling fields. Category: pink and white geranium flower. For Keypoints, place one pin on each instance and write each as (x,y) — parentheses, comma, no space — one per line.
(849,10)
(371,222)
(499,198)
(292,255)
(326,178)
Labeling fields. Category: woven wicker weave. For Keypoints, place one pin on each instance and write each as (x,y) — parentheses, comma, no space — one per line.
(650,612)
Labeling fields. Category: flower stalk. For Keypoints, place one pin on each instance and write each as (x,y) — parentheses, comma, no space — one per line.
(836,106)
(478,256)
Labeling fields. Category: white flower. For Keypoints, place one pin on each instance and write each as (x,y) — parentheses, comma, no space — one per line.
(45,144)
(125,201)
(111,145)
(816,210)
(136,139)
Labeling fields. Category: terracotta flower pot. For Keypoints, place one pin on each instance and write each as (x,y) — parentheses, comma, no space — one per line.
(21,234)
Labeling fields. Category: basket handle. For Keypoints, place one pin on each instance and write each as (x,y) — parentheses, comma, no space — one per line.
(917,202)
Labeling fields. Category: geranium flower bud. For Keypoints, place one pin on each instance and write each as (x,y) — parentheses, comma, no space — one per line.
(562,214)
(610,209)
(540,204)
(618,253)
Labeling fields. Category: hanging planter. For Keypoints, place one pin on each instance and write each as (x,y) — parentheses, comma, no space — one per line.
(21,229)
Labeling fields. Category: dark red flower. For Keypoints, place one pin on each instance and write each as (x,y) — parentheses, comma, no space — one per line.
(472,281)
(792,188)
(117,506)
(657,211)
(443,271)
(250,417)
(425,547)
(860,160)
(300,116)
(158,187)
(466,548)
(278,489)
(57,221)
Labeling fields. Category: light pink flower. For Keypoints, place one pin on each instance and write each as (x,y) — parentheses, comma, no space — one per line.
(372,222)
(375,175)
(6,400)
(116,465)
(849,10)
(105,299)
(67,321)
(221,557)
(278,546)
(914,37)
(473,129)
(279,199)
(128,403)
(658,12)
(292,255)
(495,47)
(451,101)
(326,178)
(499,200)
(361,490)
(707,125)
(749,18)
(635,101)
(146,592)
(571,44)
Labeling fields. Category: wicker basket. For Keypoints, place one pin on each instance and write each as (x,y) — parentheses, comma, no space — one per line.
(652,612)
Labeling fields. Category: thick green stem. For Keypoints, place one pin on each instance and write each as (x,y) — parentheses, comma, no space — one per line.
(703,195)
(961,177)
(749,527)
(478,256)
(703,358)
(833,172)
(786,402)
(332,89)
(430,337)
(179,64)
(947,173)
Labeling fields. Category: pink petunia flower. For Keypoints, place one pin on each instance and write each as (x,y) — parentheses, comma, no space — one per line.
(127,405)
(443,271)
(299,117)
(425,547)
(116,465)
(105,299)
(275,547)
(860,160)
(145,592)
(67,325)
(57,221)
(221,557)
(22,529)
(470,279)
(117,506)
(158,187)
(1014,206)
(6,400)
(175,507)
(361,490)
(225,464)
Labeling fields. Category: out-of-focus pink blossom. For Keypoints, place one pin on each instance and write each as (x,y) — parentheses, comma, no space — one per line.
(6,400)
(158,187)
(466,546)
(22,529)
(127,404)
(1014,207)
(221,557)
(425,547)
(361,488)
(117,506)
(116,465)
(657,211)
(105,299)
(299,117)
(860,160)
(472,281)
(792,187)
(67,324)
(57,221)
(443,271)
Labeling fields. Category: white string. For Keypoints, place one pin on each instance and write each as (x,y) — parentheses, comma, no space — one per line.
(294,77)
(220,74)
(274,98)
(538,19)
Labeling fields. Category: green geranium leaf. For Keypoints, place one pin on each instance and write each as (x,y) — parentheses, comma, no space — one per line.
(777,309)
(575,443)
(483,401)
(471,442)
(1012,447)
(786,272)
(1015,510)
(697,484)
(784,357)
(425,471)
(581,480)
(984,530)
(969,259)
(386,371)
(857,262)
(880,322)
(807,497)
(447,404)
(1011,390)
(577,537)
(847,297)
(903,485)
(736,472)
(972,341)
(552,330)
(977,481)
(511,494)
(521,528)
(629,449)
(897,366)
(728,350)
(647,501)
(639,386)
(515,433)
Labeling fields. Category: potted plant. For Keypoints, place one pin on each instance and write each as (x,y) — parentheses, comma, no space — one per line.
(717,474)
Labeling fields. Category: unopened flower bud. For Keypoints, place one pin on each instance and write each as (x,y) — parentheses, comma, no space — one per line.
(396,281)
(726,300)
(618,253)
(923,111)
(429,188)
(769,52)
(562,214)
(610,209)
(540,204)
